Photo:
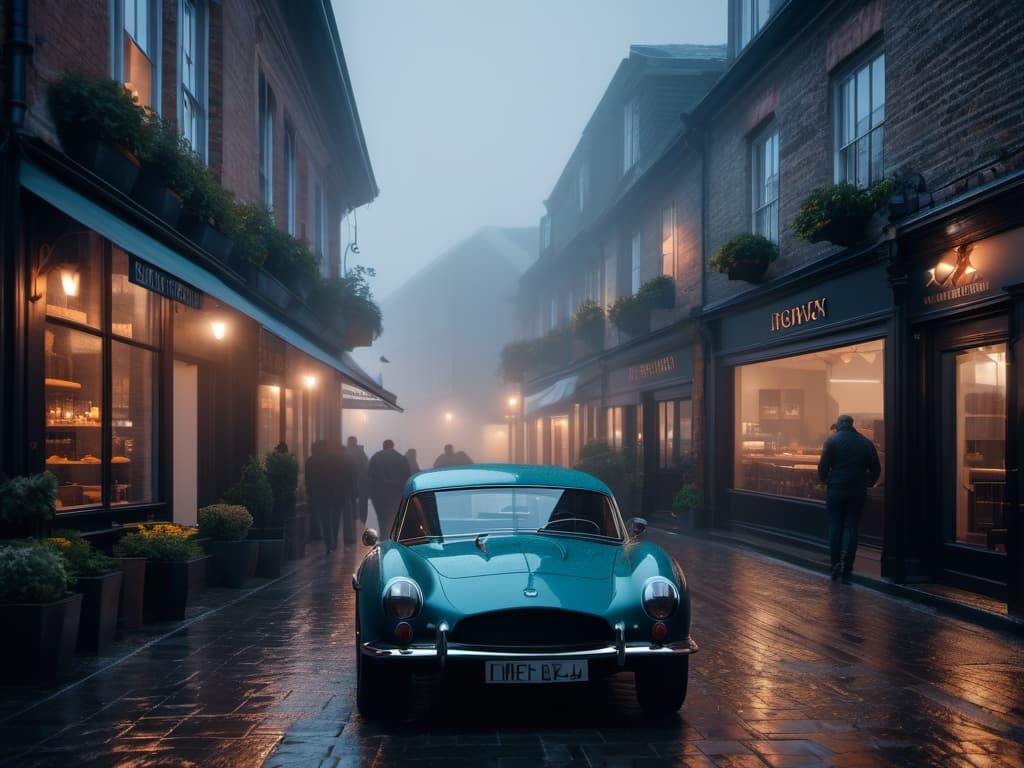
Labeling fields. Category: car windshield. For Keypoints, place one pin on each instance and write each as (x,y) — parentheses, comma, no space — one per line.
(472,511)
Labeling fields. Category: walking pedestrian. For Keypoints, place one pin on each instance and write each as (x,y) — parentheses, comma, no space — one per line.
(461,458)
(318,492)
(362,484)
(849,466)
(410,457)
(388,471)
(446,459)
(342,479)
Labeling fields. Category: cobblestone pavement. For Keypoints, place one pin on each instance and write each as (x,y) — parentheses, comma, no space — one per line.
(794,670)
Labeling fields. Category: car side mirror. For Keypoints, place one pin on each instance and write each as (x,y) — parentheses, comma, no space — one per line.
(637,526)
(370,538)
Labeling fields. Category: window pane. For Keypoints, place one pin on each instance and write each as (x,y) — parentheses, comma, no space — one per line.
(847,106)
(878,91)
(863,101)
(876,155)
(684,430)
(132,411)
(74,396)
(138,72)
(784,408)
(268,418)
(135,312)
(73,277)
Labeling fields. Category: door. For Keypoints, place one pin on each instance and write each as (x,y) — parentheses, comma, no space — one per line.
(185,467)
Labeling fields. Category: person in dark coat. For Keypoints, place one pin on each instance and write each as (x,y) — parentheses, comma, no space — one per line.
(362,484)
(461,459)
(414,465)
(388,472)
(446,459)
(849,466)
(340,503)
(318,492)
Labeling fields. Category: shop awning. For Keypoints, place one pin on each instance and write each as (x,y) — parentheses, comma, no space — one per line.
(355,398)
(556,393)
(75,205)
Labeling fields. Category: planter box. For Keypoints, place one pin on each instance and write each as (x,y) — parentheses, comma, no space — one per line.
(100,602)
(271,559)
(254,559)
(37,643)
(842,230)
(152,193)
(169,586)
(295,537)
(133,583)
(750,271)
(209,238)
(229,563)
(116,165)
(272,289)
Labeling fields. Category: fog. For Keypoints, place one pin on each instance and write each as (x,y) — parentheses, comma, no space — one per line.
(470,110)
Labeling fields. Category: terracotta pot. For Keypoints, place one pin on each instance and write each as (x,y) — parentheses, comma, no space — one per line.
(37,643)
(100,602)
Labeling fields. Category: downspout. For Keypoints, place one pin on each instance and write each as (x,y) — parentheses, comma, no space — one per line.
(17,51)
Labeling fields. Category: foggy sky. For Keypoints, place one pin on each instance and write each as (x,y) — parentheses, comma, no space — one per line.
(471,108)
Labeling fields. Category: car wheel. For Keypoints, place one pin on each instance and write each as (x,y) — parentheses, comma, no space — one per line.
(381,691)
(661,688)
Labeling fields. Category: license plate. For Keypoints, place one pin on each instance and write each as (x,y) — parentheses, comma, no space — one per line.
(570,671)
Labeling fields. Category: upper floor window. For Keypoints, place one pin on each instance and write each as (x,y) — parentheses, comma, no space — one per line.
(545,232)
(289,170)
(193,104)
(630,134)
(135,59)
(582,185)
(860,122)
(320,225)
(765,174)
(611,269)
(753,16)
(634,264)
(267,107)
(668,241)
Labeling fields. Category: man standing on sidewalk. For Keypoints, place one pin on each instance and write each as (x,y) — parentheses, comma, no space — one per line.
(849,465)
(388,472)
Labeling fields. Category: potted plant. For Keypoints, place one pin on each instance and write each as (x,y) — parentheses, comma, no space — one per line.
(262,490)
(97,578)
(659,292)
(745,257)
(163,175)
(361,314)
(518,360)
(175,567)
(838,214)
(293,262)
(226,525)
(38,616)
(686,503)
(588,324)
(631,315)
(613,468)
(206,209)
(100,125)
(28,504)
(248,225)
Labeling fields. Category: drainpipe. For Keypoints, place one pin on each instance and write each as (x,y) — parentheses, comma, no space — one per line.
(17,50)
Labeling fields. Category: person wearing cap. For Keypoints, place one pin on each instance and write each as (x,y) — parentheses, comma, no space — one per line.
(849,466)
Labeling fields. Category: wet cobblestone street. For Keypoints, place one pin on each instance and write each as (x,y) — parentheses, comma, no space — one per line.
(793,670)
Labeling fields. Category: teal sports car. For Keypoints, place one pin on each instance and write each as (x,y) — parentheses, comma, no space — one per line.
(518,574)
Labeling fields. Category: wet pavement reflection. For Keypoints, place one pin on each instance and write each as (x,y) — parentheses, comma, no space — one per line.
(794,670)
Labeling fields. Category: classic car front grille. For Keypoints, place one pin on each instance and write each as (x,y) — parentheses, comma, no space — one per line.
(532,628)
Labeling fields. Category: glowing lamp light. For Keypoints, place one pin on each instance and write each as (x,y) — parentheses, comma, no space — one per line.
(448,416)
(219,328)
(310,382)
(513,402)
(69,281)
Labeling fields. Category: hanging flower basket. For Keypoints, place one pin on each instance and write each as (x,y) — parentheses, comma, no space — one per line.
(842,229)
(749,271)
(840,213)
(745,257)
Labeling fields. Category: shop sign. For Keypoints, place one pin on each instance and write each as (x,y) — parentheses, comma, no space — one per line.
(673,367)
(158,281)
(272,354)
(802,314)
(954,278)
(659,367)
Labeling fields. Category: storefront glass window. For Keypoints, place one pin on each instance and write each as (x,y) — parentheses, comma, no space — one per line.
(666,433)
(784,409)
(73,277)
(132,406)
(613,433)
(560,441)
(134,310)
(268,418)
(684,428)
(981,446)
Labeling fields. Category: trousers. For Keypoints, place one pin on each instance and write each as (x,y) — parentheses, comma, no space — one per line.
(844,511)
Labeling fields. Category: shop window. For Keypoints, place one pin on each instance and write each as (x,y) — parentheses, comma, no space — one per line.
(668,241)
(785,407)
(268,418)
(614,427)
(72,266)
(860,122)
(981,446)
(675,432)
(765,173)
(559,447)
(89,389)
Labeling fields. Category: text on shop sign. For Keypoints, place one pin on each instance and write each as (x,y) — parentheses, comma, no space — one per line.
(158,281)
(801,314)
(655,368)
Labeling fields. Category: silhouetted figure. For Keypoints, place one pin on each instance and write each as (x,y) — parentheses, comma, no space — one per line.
(461,458)
(340,502)
(849,465)
(446,459)
(388,472)
(361,490)
(410,457)
(318,492)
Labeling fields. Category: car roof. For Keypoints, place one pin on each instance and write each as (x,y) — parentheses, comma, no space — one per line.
(497,475)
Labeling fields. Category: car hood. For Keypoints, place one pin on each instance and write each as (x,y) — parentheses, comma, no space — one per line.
(535,570)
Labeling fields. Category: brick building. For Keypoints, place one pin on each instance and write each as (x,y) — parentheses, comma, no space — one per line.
(910,322)
(145,361)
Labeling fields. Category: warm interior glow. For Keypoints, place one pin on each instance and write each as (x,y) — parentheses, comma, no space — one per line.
(69,280)
(219,328)
(310,382)
(513,402)
(448,416)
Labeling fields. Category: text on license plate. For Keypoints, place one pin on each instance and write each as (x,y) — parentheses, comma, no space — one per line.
(570,671)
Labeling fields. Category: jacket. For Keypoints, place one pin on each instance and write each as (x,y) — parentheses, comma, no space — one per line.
(849,461)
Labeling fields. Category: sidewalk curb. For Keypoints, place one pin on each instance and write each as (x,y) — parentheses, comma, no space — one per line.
(942,604)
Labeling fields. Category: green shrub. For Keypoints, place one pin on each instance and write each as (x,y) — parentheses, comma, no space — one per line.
(687,500)
(741,250)
(28,499)
(613,468)
(518,360)
(282,473)
(658,292)
(630,313)
(588,323)
(842,199)
(80,557)
(224,522)
(160,541)
(254,491)
(31,572)
(86,110)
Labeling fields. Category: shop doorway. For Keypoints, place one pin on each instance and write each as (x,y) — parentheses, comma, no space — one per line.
(185,467)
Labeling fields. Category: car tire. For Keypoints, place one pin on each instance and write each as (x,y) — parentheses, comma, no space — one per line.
(661,688)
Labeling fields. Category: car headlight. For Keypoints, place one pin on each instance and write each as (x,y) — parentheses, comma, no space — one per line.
(402,598)
(660,598)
